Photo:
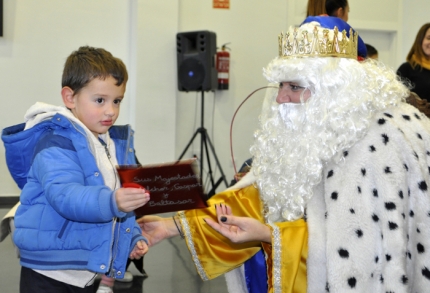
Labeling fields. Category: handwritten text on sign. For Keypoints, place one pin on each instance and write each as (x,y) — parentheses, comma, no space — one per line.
(168,186)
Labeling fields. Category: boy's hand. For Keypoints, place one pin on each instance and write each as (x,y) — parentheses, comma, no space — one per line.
(139,250)
(129,199)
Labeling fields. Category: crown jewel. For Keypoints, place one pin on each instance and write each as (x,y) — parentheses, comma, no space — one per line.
(321,43)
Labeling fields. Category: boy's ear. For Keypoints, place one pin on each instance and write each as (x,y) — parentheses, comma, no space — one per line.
(68,98)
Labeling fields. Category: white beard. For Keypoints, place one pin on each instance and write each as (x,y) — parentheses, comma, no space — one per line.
(290,149)
(285,161)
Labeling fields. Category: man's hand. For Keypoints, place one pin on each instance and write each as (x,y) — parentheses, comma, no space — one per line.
(156,229)
(239,229)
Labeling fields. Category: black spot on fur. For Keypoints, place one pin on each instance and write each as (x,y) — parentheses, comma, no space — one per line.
(418,230)
(406,117)
(363,172)
(426,273)
(408,253)
(376,259)
(406,167)
(417,116)
(381,121)
(352,282)
(375,218)
(404,216)
(388,257)
(372,148)
(330,173)
(381,279)
(359,233)
(404,280)
(420,248)
(345,153)
(411,214)
(422,185)
(419,136)
(392,225)
(352,211)
(401,194)
(390,206)
(387,170)
(334,195)
(388,115)
(385,138)
(327,287)
(375,192)
(343,253)
(359,189)
(416,156)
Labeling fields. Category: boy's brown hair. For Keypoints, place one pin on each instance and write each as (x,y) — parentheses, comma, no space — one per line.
(87,63)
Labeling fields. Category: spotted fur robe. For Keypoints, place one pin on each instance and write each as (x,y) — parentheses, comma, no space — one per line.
(369,220)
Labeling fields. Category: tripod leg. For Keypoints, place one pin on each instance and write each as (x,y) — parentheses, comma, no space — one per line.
(217,161)
(189,144)
(204,147)
(204,142)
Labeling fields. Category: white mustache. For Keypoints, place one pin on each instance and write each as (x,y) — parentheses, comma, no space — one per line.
(292,113)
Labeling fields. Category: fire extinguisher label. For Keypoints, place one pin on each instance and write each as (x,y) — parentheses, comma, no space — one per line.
(223,63)
(223,75)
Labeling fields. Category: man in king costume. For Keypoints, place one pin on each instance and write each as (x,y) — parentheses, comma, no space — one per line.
(337,196)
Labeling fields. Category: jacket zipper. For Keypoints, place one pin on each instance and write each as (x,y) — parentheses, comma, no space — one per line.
(113,244)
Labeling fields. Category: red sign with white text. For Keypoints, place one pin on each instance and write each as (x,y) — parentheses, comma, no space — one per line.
(173,186)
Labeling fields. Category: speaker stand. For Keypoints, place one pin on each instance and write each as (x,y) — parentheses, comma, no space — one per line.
(204,152)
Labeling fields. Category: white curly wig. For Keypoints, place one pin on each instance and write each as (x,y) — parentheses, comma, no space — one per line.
(289,159)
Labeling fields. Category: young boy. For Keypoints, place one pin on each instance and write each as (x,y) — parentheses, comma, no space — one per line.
(74,219)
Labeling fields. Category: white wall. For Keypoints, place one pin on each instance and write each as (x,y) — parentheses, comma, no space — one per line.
(155,69)
(39,35)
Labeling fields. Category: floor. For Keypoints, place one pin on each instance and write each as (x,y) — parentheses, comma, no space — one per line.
(168,265)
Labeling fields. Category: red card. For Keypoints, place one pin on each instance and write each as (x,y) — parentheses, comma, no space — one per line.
(173,186)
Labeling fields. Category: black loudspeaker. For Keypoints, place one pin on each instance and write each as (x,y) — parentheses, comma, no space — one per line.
(196,61)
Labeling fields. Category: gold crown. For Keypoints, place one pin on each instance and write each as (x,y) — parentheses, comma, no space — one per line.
(319,46)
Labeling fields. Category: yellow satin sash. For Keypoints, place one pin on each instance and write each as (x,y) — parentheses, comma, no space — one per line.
(290,258)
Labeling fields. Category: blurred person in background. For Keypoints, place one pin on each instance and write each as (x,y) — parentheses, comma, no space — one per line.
(415,72)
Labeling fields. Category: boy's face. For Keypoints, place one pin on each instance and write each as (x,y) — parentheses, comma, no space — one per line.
(97,104)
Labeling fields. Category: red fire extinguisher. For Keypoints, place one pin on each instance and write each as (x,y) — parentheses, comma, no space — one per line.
(223,67)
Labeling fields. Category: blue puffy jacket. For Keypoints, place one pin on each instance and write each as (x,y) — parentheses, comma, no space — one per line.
(68,218)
